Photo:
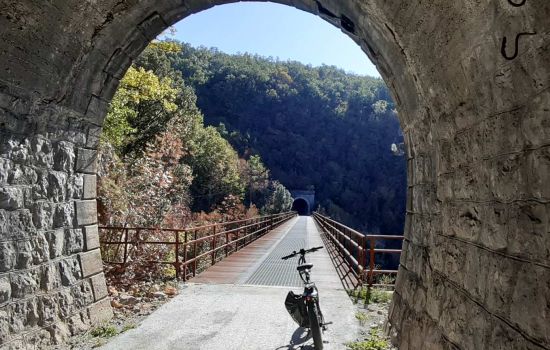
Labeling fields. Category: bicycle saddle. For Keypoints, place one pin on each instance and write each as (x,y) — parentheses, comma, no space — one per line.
(304,267)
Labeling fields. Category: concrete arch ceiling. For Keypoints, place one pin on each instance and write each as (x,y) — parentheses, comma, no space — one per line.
(471,81)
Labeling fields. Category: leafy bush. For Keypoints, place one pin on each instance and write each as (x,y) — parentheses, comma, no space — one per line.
(127,327)
(372,295)
(380,296)
(160,166)
(362,317)
(105,331)
(374,342)
(386,279)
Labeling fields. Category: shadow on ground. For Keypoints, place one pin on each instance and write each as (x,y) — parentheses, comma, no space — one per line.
(299,337)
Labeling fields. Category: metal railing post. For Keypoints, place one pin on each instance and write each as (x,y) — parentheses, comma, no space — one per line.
(177,247)
(185,256)
(214,245)
(195,254)
(363,261)
(226,243)
(125,258)
(246,232)
(371,263)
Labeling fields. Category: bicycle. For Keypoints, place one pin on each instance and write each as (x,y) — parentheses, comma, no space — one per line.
(304,309)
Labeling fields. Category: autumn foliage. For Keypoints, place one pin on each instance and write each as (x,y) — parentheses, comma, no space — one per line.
(159,166)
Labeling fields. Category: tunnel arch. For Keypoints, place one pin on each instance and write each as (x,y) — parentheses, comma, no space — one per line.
(473,108)
(301,206)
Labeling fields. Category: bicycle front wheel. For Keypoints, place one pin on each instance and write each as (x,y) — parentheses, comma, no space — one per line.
(314,316)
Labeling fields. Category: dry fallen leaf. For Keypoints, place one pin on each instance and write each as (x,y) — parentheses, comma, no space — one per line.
(116,304)
(170,290)
(113,292)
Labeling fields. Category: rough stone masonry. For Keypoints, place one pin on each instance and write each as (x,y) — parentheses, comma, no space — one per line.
(471,80)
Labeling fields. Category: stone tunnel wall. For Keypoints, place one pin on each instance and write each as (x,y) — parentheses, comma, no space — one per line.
(51,276)
(475,273)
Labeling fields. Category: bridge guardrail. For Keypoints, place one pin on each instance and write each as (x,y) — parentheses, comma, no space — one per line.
(190,245)
(352,246)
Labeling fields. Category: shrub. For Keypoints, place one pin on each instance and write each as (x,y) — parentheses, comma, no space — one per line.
(372,295)
(374,342)
(362,317)
(105,331)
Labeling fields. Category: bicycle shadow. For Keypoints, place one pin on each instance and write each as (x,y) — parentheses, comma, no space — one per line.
(299,337)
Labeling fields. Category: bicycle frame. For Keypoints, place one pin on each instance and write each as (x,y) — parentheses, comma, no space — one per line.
(310,290)
(307,279)
(308,303)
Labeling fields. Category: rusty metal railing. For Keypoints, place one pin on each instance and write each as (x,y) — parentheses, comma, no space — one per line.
(191,246)
(358,250)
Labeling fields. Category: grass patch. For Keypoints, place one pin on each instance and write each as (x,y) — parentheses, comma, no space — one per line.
(372,295)
(106,331)
(374,342)
(379,296)
(362,317)
(127,327)
(386,279)
(98,343)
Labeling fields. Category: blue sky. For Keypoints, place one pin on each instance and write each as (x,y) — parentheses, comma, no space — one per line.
(274,30)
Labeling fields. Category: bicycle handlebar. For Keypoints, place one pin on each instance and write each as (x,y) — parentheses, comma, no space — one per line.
(301,252)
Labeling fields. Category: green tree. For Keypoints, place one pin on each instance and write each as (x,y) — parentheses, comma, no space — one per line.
(380,107)
(279,201)
(258,180)
(141,107)
(215,168)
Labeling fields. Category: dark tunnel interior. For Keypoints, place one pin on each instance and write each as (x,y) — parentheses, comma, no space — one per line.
(301,206)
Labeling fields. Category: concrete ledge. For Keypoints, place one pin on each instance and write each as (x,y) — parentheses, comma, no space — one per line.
(152,26)
(136,43)
(86,212)
(99,286)
(91,237)
(118,63)
(86,160)
(92,140)
(91,263)
(100,311)
(90,187)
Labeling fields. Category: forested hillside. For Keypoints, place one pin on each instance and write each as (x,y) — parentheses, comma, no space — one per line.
(315,128)
(161,166)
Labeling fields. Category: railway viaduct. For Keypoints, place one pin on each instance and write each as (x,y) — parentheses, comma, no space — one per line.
(471,82)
